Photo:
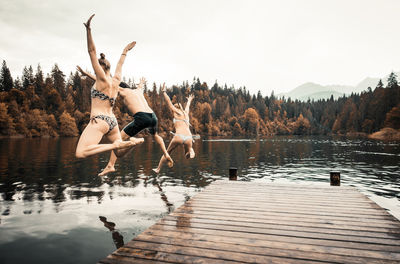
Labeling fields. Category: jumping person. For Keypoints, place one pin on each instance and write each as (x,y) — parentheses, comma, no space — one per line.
(182,135)
(104,92)
(143,115)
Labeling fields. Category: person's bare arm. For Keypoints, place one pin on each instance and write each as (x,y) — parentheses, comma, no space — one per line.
(141,84)
(169,103)
(85,73)
(100,74)
(190,98)
(118,70)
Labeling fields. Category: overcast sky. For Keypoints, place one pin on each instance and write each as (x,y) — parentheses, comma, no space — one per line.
(263,45)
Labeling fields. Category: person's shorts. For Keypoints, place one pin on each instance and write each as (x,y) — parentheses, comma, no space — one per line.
(142,121)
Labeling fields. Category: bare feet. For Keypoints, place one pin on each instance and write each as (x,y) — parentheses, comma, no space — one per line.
(190,154)
(123,147)
(119,144)
(107,170)
(136,141)
(170,162)
(156,170)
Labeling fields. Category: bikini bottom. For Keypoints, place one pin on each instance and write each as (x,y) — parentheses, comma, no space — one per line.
(110,120)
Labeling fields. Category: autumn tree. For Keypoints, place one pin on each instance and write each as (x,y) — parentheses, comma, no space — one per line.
(393,118)
(251,121)
(67,125)
(6,122)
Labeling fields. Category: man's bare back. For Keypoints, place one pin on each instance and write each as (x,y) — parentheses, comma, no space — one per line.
(134,100)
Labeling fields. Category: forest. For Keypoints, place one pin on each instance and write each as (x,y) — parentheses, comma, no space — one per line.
(50,105)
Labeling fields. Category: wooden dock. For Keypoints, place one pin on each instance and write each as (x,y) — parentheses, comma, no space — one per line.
(248,222)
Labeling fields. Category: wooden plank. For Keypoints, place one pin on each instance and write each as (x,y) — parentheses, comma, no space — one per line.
(257,250)
(260,205)
(385,222)
(265,188)
(281,238)
(282,226)
(247,222)
(217,238)
(303,200)
(114,259)
(292,222)
(151,252)
(214,254)
(282,232)
(301,211)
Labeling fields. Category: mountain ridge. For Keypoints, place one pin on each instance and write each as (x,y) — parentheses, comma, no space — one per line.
(315,91)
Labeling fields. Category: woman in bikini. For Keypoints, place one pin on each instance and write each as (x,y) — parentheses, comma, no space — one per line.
(104,93)
(144,118)
(182,135)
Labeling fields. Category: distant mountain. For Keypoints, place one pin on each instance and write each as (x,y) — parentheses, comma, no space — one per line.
(316,91)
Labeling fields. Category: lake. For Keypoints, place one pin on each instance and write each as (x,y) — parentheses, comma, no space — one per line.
(55,209)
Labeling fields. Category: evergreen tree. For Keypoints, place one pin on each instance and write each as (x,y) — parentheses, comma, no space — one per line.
(27,77)
(58,78)
(39,81)
(6,81)
(392,80)
(380,84)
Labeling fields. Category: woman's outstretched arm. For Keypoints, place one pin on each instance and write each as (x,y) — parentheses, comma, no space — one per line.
(118,70)
(84,73)
(100,74)
(169,103)
(190,98)
(141,84)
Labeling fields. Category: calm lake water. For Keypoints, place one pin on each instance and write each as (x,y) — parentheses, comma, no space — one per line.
(55,209)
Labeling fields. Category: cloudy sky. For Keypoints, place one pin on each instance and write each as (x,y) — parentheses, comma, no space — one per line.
(263,45)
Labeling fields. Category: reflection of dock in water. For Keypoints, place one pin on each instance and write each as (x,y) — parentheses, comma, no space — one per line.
(116,236)
(249,222)
(164,197)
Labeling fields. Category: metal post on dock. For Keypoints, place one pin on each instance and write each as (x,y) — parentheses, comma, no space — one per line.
(335,178)
(232,174)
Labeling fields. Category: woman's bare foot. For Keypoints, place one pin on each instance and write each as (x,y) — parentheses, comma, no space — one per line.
(170,162)
(119,144)
(107,170)
(190,154)
(156,170)
(126,146)
(136,141)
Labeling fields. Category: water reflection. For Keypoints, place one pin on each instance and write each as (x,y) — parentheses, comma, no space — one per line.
(157,182)
(116,236)
(45,191)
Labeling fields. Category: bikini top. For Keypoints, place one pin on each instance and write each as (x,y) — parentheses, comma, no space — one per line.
(97,94)
(184,120)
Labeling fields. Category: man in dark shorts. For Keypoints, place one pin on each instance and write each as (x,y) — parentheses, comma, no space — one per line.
(143,118)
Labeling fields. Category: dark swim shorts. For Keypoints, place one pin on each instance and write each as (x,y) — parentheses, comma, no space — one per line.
(141,121)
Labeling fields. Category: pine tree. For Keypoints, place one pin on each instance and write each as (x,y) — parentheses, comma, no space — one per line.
(39,81)
(27,77)
(380,84)
(392,80)
(58,78)
(6,81)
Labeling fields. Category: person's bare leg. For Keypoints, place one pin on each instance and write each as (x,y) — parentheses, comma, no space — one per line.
(189,152)
(113,157)
(171,147)
(110,165)
(91,136)
(160,142)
